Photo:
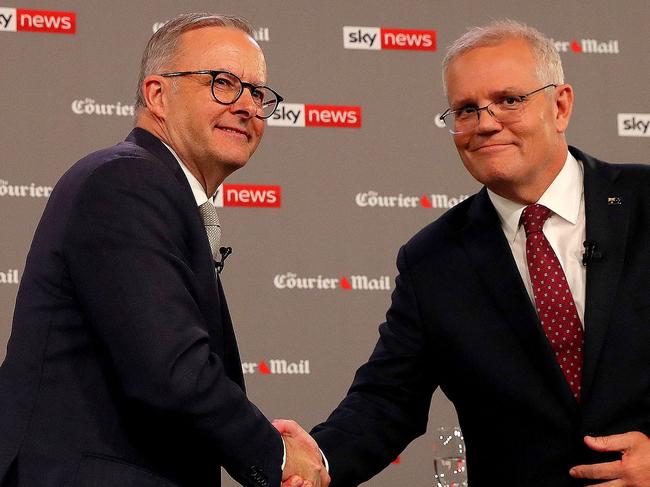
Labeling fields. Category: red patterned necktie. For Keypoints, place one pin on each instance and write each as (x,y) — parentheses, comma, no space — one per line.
(555,306)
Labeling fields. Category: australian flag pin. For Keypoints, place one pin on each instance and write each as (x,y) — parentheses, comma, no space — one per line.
(614,201)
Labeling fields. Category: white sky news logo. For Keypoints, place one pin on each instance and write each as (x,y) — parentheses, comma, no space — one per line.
(634,124)
(309,115)
(377,38)
(28,20)
(249,195)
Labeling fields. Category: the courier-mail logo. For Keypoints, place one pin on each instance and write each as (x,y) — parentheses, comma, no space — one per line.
(634,124)
(27,20)
(310,115)
(376,38)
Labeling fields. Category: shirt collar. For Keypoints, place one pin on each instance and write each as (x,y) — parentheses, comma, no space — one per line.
(197,190)
(562,197)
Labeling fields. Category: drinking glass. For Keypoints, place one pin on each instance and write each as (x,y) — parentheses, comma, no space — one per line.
(449,458)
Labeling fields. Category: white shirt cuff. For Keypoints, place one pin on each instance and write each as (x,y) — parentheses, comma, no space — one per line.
(284,457)
(325,462)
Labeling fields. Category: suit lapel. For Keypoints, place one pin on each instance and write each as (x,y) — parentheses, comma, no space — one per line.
(607,226)
(210,296)
(490,254)
(231,359)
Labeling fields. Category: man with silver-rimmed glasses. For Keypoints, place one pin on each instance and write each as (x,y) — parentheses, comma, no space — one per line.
(122,368)
(523,303)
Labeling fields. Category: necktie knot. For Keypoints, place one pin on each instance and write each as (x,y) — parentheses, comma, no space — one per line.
(209,214)
(534,217)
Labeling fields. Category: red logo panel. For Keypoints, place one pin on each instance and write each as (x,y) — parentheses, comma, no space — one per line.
(46,21)
(249,195)
(332,116)
(408,39)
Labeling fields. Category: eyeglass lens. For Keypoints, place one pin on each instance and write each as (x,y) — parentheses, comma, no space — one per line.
(227,88)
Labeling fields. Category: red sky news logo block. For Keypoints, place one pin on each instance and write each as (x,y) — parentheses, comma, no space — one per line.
(27,20)
(249,195)
(408,39)
(310,115)
(377,38)
(332,116)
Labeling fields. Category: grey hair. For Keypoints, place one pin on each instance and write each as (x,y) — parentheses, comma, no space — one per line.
(549,64)
(163,45)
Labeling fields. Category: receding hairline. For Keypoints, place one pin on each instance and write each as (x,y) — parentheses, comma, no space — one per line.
(162,49)
(487,42)
(495,43)
(181,39)
(548,64)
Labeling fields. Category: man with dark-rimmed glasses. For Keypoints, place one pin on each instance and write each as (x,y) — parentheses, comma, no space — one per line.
(524,303)
(122,369)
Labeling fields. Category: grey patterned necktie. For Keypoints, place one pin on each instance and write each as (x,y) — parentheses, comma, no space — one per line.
(212,228)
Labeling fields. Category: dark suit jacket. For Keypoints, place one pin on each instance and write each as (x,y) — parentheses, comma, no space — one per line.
(461,319)
(122,367)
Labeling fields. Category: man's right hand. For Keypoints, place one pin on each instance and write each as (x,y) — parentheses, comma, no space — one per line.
(304,463)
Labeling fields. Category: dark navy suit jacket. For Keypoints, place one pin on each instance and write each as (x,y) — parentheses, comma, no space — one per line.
(461,319)
(122,368)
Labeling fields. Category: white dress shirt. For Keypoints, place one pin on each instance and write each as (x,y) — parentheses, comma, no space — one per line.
(564,229)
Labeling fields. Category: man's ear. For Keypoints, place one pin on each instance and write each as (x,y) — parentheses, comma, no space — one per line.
(153,91)
(563,106)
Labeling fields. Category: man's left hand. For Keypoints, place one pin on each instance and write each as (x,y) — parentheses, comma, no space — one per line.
(632,470)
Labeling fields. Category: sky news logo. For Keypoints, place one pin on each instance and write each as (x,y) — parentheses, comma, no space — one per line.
(47,21)
(634,124)
(587,46)
(249,196)
(303,115)
(378,38)
(276,366)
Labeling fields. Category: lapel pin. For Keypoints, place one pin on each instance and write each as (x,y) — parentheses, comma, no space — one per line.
(614,201)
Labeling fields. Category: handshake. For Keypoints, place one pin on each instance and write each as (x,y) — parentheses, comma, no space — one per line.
(304,462)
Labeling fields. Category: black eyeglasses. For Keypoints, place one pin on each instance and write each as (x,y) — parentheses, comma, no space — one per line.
(227,88)
(504,110)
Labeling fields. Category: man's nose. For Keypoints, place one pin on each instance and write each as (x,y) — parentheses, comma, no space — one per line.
(245,104)
(487,121)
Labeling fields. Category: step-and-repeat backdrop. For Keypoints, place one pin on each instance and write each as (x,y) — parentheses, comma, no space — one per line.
(350,167)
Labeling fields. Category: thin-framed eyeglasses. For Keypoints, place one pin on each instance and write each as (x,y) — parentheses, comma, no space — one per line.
(227,88)
(506,109)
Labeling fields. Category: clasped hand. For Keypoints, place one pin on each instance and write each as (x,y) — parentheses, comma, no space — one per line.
(304,462)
